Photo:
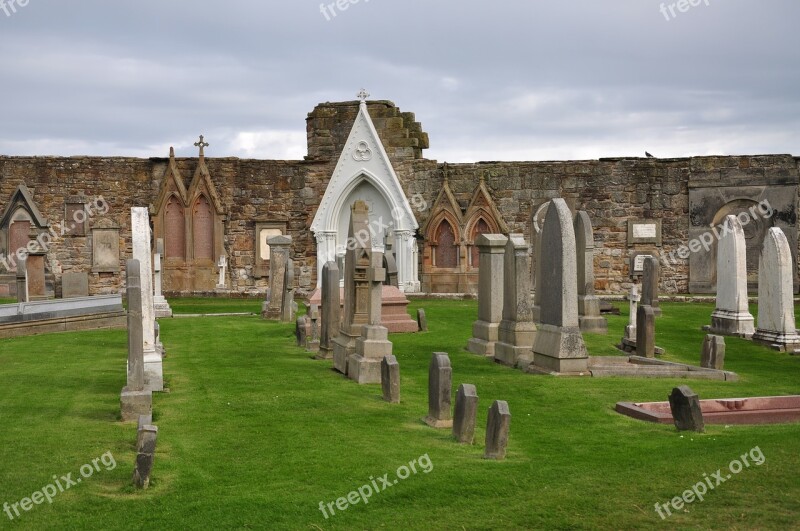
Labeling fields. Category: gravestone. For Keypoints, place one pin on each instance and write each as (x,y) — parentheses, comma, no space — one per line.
(732,315)
(650,279)
(492,248)
(312,340)
(646,331)
(330,310)
(356,286)
(497,426)
(516,333)
(390,379)
(629,339)
(440,376)
(589,316)
(145,454)
(365,365)
(713,355)
(160,304)
(685,406)
(74,285)
(142,251)
(301,328)
(422,320)
(280,249)
(539,218)
(466,411)
(22,281)
(37,289)
(559,346)
(776,324)
(222,264)
(135,399)
(288,306)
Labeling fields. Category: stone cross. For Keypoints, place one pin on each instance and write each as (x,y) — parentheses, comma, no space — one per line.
(633,302)
(223,265)
(732,313)
(160,304)
(466,411)
(439,388)
(364,365)
(497,426)
(485,330)
(516,332)
(201,144)
(363,95)
(330,310)
(686,412)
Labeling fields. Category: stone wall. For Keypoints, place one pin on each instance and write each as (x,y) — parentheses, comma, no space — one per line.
(612,191)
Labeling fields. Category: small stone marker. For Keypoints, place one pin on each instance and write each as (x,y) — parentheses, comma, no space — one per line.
(145,453)
(497,425)
(650,279)
(390,379)
(22,281)
(331,315)
(646,331)
(301,327)
(422,320)
(713,356)
(440,376)
(312,341)
(465,413)
(685,406)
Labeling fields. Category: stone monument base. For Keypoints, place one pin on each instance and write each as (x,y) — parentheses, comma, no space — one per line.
(593,324)
(344,346)
(135,403)
(559,350)
(484,338)
(780,341)
(515,340)
(729,323)
(436,423)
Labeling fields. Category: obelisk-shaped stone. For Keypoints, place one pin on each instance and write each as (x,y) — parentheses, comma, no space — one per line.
(492,249)
(776,324)
(287,302)
(135,399)
(142,251)
(645,331)
(516,332)
(279,254)
(588,304)
(732,315)
(650,280)
(559,346)
(330,310)
(365,365)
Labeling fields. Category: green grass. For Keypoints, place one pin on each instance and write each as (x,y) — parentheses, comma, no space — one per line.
(210,305)
(7,300)
(254,434)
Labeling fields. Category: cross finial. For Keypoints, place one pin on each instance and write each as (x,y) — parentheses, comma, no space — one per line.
(201,145)
(363,95)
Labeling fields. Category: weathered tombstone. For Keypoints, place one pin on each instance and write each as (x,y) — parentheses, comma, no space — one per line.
(492,248)
(330,310)
(280,249)
(776,324)
(37,289)
(390,263)
(288,306)
(713,355)
(732,315)
(650,279)
(589,316)
(466,411)
(390,379)
(22,281)
(74,285)
(559,346)
(629,340)
(160,304)
(312,339)
(422,320)
(440,376)
(356,286)
(135,399)
(646,332)
(142,251)
(537,231)
(144,420)
(145,453)
(301,328)
(685,406)
(222,264)
(516,332)
(365,365)
(497,426)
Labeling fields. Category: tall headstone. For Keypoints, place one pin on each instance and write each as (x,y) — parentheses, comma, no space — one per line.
(650,280)
(686,412)
(466,411)
(559,346)
(440,375)
(516,333)
(713,354)
(645,331)
(160,304)
(279,249)
(135,400)
(537,231)
(492,249)
(776,323)
(22,281)
(732,315)
(497,426)
(589,316)
(356,286)
(390,379)
(142,251)
(287,301)
(145,454)
(365,365)
(330,310)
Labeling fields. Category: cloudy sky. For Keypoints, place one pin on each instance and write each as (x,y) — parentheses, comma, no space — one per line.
(489,80)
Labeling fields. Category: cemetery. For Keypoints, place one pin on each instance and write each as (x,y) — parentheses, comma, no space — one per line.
(547,381)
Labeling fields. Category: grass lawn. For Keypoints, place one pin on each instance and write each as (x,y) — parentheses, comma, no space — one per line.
(255,434)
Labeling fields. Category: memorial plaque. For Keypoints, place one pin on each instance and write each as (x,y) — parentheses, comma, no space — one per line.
(105,250)
(644,231)
(637,263)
